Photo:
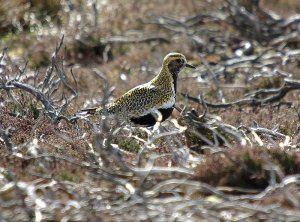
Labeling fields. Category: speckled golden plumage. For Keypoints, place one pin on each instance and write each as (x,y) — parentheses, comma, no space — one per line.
(139,103)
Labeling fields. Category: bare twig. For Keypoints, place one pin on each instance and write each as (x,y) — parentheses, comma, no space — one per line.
(4,134)
(129,40)
(252,100)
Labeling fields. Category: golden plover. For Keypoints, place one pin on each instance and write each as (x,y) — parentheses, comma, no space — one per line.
(141,104)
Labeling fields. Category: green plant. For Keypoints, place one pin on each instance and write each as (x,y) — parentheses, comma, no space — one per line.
(69,176)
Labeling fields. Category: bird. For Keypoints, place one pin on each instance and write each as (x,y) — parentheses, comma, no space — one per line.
(143,104)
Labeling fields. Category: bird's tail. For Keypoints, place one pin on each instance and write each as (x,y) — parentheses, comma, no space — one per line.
(89,111)
(84,113)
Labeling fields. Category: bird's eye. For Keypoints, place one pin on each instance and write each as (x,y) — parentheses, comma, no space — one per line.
(179,61)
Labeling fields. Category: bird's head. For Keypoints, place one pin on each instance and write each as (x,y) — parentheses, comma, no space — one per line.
(175,62)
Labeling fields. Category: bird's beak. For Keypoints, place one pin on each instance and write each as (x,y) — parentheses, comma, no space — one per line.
(190,66)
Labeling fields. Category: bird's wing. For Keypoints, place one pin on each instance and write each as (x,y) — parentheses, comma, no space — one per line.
(136,101)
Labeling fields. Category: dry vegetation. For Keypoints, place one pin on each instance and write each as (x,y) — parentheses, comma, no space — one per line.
(231,154)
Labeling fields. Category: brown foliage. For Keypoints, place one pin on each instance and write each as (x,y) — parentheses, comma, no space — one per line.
(247,167)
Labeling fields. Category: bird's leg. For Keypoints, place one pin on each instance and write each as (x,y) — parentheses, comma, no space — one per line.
(158,116)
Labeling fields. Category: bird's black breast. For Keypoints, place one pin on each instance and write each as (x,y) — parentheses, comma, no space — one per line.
(150,120)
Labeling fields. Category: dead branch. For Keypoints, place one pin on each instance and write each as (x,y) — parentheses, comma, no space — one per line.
(4,134)
(255,22)
(253,98)
(55,79)
(215,80)
(37,94)
(130,40)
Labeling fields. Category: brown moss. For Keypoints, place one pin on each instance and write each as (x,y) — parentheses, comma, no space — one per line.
(265,83)
(284,118)
(246,167)
(50,142)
